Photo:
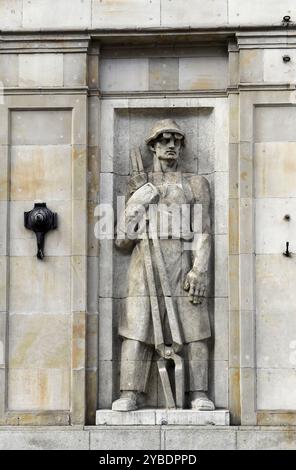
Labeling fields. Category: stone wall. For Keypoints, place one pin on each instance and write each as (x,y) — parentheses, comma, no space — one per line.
(82,81)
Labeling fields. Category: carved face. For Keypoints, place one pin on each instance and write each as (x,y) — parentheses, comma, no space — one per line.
(168,147)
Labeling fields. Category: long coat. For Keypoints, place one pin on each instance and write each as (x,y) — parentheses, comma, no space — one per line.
(136,320)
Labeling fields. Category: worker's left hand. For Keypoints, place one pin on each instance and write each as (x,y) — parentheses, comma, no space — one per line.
(196,285)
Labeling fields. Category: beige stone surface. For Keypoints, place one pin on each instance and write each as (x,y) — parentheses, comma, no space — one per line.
(39,341)
(275,389)
(275,69)
(41,126)
(203,73)
(3,283)
(51,278)
(74,70)
(251,65)
(193,13)
(272,229)
(275,167)
(11,14)
(41,172)
(56,14)
(124,75)
(38,389)
(9,66)
(4,186)
(125,14)
(37,70)
(258,12)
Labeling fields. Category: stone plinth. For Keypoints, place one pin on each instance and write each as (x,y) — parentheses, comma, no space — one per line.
(162,417)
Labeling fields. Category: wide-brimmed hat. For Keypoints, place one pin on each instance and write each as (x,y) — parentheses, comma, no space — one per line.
(165,125)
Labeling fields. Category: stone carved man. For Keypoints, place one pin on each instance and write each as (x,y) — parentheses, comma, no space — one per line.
(186,273)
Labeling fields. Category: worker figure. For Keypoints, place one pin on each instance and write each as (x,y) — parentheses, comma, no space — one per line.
(185,271)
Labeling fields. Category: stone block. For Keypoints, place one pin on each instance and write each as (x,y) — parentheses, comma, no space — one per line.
(124,75)
(218,123)
(246,215)
(3,283)
(194,13)
(144,13)
(62,14)
(4,186)
(91,384)
(93,175)
(93,241)
(218,383)
(156,417)
(266,439)
(233,261)
(3,325)
(79,227)
(247,339)
(3,225)
(92,341)
(266,128)
(233,170)
(41,173)
(106,393)
(272,229)
(163,74)
(38,389)
(221,266)
(79,280)
(78,340)
(281,328)
(51,278)
(275,69)
(92,284)
(40,70)
(41,127)
(125,438)
(276,389)
(94,121)
(252,13)
(11,14)
(80,116)
(274,169)
(192,417)
(8,70)
(106,268)
(220,202)
(74,70)
(78,393)
(52,439)
(195,438)
(272,273)
(39,341)
(198,73)
(251,65)
(106,329)
(221,333)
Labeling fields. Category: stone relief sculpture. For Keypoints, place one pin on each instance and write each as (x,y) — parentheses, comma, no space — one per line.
(166,306)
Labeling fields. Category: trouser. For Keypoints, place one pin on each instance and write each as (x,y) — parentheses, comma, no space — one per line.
(136,361)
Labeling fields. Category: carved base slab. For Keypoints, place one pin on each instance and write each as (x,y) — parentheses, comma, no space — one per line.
(156,417)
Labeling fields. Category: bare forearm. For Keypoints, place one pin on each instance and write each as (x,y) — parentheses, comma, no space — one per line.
(201,253)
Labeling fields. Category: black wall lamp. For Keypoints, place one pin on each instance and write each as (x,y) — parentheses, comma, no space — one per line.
(40,220)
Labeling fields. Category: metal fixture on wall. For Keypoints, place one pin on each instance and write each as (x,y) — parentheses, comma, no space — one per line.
(40,220)
(286,58)
(287,252)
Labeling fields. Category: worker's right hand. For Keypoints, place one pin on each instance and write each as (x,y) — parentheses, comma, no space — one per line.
(145,195)
(136,182)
